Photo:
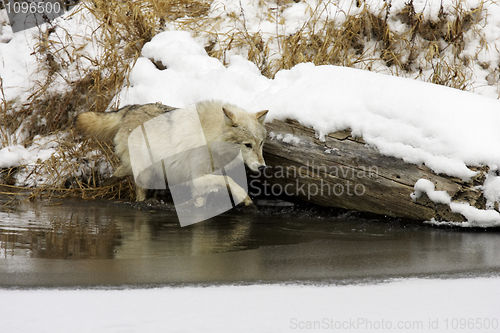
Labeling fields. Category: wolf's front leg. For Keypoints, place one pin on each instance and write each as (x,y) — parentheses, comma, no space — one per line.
(140,193)
(212,183)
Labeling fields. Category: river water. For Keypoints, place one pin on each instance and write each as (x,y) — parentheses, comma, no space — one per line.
(76,243)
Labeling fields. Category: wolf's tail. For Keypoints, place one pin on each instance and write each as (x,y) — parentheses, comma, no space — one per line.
(100,125)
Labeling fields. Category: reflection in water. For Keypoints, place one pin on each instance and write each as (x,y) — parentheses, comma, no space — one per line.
(51,231)
(97,230)
(274,244)
(158,233)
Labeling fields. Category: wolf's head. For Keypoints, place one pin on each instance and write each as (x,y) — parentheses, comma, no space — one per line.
(248,131)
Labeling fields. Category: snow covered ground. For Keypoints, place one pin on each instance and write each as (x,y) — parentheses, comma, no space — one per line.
(442,128)
(415,305)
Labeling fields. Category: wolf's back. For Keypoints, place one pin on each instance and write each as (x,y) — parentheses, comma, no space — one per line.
(100,125)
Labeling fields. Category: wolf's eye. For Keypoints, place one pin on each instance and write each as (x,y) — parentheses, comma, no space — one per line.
(248,145)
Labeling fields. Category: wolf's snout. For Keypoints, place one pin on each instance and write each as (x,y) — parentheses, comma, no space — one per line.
(262,168)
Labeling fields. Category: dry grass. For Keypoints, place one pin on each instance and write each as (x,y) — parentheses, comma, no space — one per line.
(424,49)
(77,168)
(363,40)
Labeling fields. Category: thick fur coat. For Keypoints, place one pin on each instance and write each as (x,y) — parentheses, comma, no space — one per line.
(178,135)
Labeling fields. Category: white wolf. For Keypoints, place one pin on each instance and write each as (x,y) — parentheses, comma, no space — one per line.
(177,135)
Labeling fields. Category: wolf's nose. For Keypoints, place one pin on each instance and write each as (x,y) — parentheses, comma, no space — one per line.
(262,168)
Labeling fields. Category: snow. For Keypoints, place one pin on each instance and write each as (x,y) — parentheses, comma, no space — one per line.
(287,138)
(41,149)
(427,187)
(491,188)
(475,217)
(17,64)
(415,305)
(291,139)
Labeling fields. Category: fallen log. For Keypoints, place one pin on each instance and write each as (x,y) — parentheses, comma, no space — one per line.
(342,171)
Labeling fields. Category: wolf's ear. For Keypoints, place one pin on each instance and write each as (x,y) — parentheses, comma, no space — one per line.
(229,118)
(261,116)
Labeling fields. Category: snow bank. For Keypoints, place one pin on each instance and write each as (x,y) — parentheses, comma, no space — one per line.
(407,305)
(40,150)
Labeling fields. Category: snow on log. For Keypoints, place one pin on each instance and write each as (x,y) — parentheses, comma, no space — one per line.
(344,172)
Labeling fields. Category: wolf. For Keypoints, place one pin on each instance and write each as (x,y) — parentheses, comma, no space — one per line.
(177,135)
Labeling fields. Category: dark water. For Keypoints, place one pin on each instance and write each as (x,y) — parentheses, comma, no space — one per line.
(102,243)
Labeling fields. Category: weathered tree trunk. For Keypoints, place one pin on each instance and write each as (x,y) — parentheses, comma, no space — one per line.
(344,172)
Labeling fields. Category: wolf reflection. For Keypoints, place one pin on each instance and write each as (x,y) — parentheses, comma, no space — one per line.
(152,236)
(83,231)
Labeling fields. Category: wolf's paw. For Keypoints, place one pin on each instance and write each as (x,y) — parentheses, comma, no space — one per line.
(251,208)
(240,195)
(248,201)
